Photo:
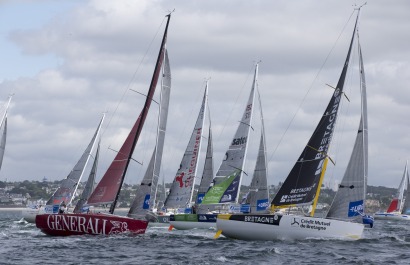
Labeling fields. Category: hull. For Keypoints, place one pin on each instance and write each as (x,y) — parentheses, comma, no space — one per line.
(271,227)
(391,216)
(29,214)
(191,221)
(92,224)
(157,218)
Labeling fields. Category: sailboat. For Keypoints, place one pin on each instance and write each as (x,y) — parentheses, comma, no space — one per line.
(301,188)
(143,205)
(399,208)
(3,131)
(108,189)
(224,193)
(68,187)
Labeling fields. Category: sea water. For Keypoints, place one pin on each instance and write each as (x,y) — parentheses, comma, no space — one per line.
(22,243)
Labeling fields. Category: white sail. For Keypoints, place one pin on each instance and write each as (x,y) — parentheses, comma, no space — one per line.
(405,208)
(3,131)
(145,195)
(180,195)
(66,191)
(90,184)
(208,172)
(349,202)
(235,156)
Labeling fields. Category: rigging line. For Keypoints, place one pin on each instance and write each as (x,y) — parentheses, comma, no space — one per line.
(133,76)
(310,87)
(235,104)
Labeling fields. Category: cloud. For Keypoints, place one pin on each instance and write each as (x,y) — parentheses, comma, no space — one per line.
(97,50)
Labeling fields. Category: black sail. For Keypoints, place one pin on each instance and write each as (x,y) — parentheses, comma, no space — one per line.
(301,185)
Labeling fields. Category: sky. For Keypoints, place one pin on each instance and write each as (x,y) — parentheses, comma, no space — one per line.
(69,61)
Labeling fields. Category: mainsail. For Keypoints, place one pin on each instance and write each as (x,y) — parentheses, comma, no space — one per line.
(109,187)
(66,191)
(180,195)
(349,202)
(234,160)
(145,195)
(3,132)
(89,186)
(258,196)
(303,183)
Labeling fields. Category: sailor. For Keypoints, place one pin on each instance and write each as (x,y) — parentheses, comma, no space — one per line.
(62,207)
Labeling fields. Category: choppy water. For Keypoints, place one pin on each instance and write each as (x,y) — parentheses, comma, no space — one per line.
(22,243)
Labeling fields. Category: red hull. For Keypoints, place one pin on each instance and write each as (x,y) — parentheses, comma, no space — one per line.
(93,224)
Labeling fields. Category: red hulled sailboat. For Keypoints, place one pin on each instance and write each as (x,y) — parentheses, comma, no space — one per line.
(108,189)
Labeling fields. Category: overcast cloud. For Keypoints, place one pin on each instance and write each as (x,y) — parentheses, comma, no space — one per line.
(67,62)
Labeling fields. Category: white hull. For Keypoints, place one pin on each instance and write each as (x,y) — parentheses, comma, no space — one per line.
(271,227)
(186,225)
(29,214)
(391,216)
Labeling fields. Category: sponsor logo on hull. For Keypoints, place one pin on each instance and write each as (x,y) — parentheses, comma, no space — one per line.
(260,218)
(66,224)
(309,223)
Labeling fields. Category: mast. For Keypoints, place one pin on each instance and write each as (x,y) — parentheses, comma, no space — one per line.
(145,109)
(258,196)
(5,111)
(254,87)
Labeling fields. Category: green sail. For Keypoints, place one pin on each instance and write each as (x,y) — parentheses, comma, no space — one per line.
(216,192)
